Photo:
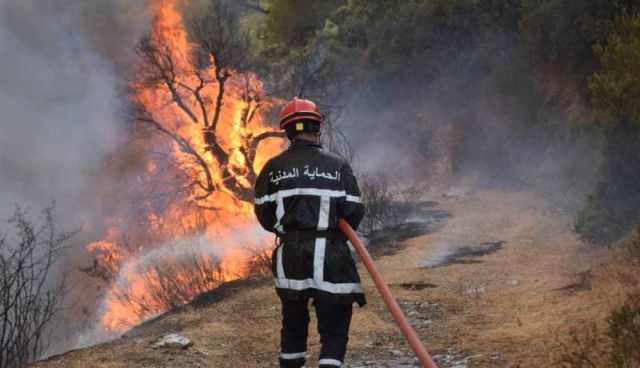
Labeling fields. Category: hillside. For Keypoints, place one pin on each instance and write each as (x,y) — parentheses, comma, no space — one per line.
(497,285)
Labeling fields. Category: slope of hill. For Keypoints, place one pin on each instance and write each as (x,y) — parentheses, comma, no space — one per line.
(496,286)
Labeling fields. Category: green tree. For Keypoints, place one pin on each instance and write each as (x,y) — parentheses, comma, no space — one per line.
(294,23)
(614,207)
(615,88)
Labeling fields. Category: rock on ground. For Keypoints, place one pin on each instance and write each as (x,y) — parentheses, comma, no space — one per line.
(174,341)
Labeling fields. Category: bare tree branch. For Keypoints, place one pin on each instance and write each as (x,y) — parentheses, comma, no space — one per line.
(30,300)
(159,66)
(185,147)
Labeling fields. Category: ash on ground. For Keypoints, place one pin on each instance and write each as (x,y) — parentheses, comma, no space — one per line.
(463,255)
(416,219)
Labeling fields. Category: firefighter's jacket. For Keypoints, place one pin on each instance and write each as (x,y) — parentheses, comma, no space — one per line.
(300,195)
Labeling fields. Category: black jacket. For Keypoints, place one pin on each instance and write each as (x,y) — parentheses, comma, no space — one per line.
(300,195)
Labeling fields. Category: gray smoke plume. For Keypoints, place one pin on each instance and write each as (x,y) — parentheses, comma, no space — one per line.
(60,109)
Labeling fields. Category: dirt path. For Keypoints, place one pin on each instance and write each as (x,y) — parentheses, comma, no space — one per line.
(486,290)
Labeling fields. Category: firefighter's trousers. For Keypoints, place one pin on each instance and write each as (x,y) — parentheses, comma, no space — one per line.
(333,327)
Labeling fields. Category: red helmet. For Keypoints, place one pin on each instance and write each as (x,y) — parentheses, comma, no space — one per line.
(299,109)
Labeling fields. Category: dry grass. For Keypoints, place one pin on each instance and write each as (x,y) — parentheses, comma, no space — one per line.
(508,304)
(618,274)
(508,311)
(610,341)
(241,331)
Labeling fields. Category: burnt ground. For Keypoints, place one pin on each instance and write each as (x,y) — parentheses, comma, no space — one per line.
(506,311)
(465,255)
(420,218)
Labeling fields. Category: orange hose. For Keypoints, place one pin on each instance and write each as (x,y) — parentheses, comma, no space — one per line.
(389,300)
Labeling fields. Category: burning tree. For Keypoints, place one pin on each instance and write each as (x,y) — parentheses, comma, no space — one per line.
(210,138)
(186,87)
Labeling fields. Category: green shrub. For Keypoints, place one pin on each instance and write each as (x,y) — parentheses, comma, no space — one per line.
(624,333)
(613,209)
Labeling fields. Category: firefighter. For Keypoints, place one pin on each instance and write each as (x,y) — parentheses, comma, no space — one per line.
(300,195)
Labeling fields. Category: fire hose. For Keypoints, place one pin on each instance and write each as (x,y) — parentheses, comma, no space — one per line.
(389,300)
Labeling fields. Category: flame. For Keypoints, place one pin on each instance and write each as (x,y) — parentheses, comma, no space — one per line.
(138,265)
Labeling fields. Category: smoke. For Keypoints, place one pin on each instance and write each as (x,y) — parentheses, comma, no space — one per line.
(475,117)
(59,103)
